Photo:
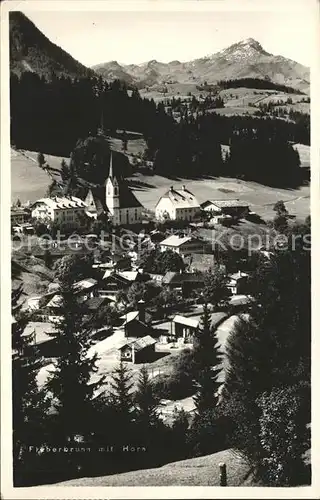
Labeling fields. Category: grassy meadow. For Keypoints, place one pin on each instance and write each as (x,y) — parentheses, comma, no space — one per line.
(29,182)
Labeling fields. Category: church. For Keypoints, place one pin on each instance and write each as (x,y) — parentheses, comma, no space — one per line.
(114,199)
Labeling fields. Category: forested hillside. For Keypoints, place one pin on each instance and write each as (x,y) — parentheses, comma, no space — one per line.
(31,51)
(63,110)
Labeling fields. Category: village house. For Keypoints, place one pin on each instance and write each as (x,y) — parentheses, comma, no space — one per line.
(134,323)
(19,215)
(186,283)
(238,283)
(85,289)
(115,261)
(53,310)
(67,212)
(182,245)
(113,282)
(33,303)
(185,328)
(115,199)
(220,209)
(134,350)
(141,350)
(93,304)
(43,339)
(178,204)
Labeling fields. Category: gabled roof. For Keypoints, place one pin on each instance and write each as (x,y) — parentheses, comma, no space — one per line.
(128,275)
(225,203)
(130,316)
(182,320)
(134,316)
(41,332)
(237,276)
(175,241)
(117,277)
(96,200)
(181,198)
(126,197)
(98,194)
(84,284)
(56,301)
(61,203)
(141,343)
(19,211)
(96,302)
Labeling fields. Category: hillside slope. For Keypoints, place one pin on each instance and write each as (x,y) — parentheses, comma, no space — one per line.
(246,59)
(31,50)
(201,471)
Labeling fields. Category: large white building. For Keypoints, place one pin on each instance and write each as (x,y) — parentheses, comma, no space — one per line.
(116,199)
(177,204)
(68,212)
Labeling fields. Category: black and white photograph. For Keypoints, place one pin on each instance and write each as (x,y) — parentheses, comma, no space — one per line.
(159,246)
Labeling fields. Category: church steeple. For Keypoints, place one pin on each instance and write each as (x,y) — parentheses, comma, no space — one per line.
(111,167)
(112,189)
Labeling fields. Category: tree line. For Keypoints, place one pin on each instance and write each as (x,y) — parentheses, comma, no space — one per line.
(54,116)
(257,83)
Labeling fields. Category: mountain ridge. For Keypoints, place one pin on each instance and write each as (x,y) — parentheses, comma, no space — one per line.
(244,59)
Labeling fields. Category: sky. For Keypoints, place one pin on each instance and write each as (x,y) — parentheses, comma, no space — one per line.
(175,31)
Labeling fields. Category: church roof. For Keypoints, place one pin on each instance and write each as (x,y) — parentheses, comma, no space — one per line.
(96,196)
(126,197)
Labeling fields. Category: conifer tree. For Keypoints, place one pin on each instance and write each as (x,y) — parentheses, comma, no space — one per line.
(47,257)
(270,349)
(180,433)
(122,395)
(64,171)
(203,432)
(146,402)
(215,289)
(41,160)
(206,363)
(122,403)
(284,436)
(69,383)
(29,402)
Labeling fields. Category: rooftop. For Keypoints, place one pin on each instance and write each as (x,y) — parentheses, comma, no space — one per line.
(95,302)
(128,275)
(56,301)
(175,240)
(130,316)
(181,198)
(19,211)
(41,332)
(238,275)
(142,343)
(61,203)
(225,203)
(85,284)
(182,320)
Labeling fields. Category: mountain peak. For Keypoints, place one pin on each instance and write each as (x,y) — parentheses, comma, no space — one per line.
(251,42)
(245,49)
